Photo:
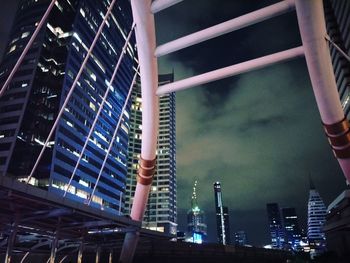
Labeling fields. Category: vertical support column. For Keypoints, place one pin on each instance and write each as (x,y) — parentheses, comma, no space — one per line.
(80,252)
(10,242)
(313,31)
(98,254)
(54,245)
(146,44)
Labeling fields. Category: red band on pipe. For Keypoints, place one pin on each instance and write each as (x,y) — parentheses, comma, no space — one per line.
(337,128)
(146,171)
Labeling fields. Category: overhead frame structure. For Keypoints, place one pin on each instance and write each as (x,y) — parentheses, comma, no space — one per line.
(43,213)
(313,32)
(145,35)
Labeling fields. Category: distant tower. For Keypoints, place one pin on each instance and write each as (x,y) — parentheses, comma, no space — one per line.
(241,238)
(291,228)
(275,224)
(222,217)
(316,218)
(196,227)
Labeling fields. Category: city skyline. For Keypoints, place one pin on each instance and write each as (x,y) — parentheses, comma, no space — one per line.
(259,133)
(214,103)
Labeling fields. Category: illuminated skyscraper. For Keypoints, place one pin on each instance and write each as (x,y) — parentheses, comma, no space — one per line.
(161,214)
(275,224)
(196,226)
(241,238)
(337,23)
(222,217)
(316,219)
(291,228)
(30,105)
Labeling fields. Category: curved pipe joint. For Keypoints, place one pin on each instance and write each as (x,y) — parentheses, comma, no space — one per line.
(313,31)
(146,44)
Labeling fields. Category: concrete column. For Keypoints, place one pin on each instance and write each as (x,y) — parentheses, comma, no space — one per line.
(10,242)
(80,252)
(54,246)
(98,255)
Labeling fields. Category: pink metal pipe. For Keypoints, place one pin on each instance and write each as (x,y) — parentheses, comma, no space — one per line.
(159,5)
(146,44)
(231,70)
(313,31)
(226,27)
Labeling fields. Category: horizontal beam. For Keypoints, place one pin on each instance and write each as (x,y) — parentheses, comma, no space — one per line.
(231,70)
(226,27)
(159,5)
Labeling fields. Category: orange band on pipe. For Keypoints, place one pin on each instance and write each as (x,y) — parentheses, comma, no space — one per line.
(342,153)
(340,140)
(337,128)
(146,171)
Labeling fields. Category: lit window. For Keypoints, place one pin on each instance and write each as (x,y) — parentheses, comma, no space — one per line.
(25,34)
(92,106)
(12,48)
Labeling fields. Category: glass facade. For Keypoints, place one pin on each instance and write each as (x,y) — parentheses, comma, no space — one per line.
(337,23)
(40,88)
(161,212)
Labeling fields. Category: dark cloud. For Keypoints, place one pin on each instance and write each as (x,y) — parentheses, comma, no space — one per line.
(258,133)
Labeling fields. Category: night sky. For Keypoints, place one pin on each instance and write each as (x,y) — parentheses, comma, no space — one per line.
(259,133)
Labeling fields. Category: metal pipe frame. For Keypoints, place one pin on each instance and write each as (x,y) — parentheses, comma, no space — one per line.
(231,70)
(146,39)
(313,31)
(226,27)
(28,46)
(99,31)
(343,53)
(159,5)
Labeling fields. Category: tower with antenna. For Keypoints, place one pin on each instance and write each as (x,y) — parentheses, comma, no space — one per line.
(196,226)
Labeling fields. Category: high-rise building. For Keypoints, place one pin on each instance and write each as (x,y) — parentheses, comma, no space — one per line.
(31,103)
(316,219)
(241,238)
(222,217)
(275,224)
(161,214)
(291,228)
(337,226)
(196,226)
(337,24)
